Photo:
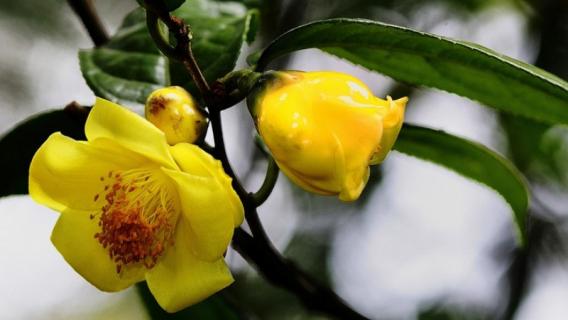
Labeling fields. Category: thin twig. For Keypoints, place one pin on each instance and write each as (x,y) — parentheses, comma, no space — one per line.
(88,15)
(268,184)
(182,49)
(221,153)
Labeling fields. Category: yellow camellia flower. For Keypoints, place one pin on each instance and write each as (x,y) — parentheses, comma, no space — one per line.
(134,208)
(176,113)
(324,129)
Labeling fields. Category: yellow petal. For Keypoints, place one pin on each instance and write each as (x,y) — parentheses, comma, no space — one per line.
(193,160)
(392,122)
(302,181)
(180,279)
(65,173)
(208,212)
(109,120)
(73,236)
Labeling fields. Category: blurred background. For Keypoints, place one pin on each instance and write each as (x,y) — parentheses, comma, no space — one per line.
(422,243)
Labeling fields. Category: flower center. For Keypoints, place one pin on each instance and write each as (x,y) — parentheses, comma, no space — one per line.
(138,217)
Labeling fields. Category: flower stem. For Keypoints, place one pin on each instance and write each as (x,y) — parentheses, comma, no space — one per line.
(269,182)
(221,153)
(87,13)
(182,50)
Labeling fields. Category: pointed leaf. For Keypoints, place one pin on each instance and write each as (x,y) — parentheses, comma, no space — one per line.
(420,58)
(471,160)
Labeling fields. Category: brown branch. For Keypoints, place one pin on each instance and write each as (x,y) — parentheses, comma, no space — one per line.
(182,50)
(88,15)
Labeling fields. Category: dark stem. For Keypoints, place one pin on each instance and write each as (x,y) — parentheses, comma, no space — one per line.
(221,154)
(88,15)
(283,273)
(517,276)
(152,21)
(269,182)
(182,34)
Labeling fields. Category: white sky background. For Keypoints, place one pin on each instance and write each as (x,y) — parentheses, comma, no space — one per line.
(429,235)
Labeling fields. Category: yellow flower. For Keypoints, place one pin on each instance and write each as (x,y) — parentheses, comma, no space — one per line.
(134,208)
(324,129)
(175,112)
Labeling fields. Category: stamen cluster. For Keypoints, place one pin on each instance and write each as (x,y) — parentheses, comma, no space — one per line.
(135,228)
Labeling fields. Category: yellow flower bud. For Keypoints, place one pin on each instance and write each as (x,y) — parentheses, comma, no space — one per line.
(174,111)
(324,129)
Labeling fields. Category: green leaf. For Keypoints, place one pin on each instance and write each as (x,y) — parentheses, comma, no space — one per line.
(130,67)
(423,59)
(470,160)
(219,31)
(20,144)
(215,307)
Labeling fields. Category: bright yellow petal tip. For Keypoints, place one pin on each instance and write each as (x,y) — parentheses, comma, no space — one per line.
(134,208)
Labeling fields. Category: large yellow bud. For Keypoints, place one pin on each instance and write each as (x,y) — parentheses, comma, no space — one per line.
(324,129)
(174,111)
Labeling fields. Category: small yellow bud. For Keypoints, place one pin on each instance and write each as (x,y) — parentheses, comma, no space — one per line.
(324,129)
(174,111)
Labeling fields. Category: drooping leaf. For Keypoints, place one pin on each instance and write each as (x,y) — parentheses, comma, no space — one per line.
(471,160)
(130,67)
(20,144)
(424,59)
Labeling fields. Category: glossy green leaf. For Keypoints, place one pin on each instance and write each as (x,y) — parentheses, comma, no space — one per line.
(130,67)
(471,160)
(424,59)
(20,144)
